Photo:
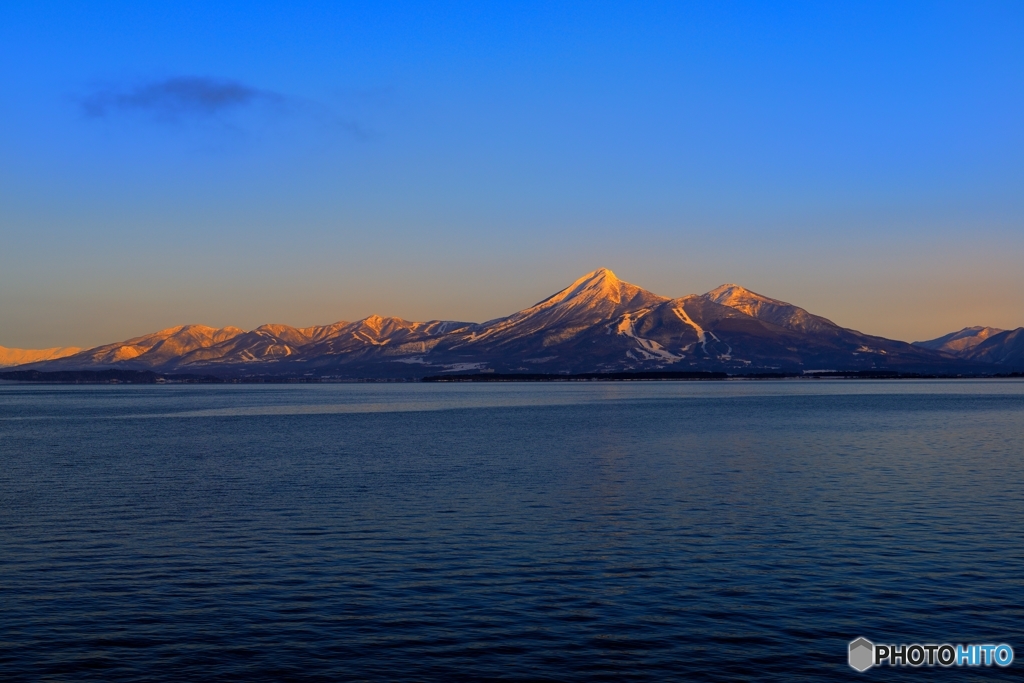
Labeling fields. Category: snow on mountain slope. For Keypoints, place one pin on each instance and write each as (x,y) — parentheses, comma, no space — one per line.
(9,357)
(386,335)
(1005,348)
(596,297)
(183,340)
(684,327)
(598,323)
(771,310)
(703,331)
(962,342)
(648,349)
(147,351)
(279,343)
(320,332)
(264,344)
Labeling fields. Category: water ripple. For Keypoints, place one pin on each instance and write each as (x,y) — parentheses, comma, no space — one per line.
(574,533)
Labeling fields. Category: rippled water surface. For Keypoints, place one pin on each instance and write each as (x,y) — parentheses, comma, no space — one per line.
(581,531)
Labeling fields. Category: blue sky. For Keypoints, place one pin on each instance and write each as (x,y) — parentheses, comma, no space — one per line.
(169,163)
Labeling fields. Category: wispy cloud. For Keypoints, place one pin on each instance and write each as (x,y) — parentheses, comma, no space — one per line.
(182,100)
(173,99)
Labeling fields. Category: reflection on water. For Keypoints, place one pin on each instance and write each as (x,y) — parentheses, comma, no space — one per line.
(579,531)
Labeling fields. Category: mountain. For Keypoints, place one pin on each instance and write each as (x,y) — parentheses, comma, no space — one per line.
(770,310)
(558,331)
(1005,349)
(9,357)
(960,343)
(987,345)
(597,324)
(148,351)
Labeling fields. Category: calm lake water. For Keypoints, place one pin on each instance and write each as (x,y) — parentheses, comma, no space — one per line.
(570,532)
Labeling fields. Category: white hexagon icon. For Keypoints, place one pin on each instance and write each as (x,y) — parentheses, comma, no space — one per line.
(862,654)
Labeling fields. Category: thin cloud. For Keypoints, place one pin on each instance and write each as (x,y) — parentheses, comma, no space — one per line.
(185,99)
(173,99)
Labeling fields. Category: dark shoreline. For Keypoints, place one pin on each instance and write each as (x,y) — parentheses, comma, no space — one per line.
(703,376)
(150,377)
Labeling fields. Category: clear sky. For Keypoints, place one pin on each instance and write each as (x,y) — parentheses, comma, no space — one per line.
(301,163)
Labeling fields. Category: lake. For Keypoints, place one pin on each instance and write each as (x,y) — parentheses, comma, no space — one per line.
(617,531)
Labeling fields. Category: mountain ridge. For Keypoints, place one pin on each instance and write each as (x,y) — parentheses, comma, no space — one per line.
(598,323)
(960,342)
(14,357)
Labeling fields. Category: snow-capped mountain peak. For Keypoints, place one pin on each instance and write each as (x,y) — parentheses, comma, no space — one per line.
(770,310)
(962,342)
(738,297)
(595,288)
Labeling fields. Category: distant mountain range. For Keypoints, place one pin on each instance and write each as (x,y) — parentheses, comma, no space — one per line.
(10,357)
(982,345)
(597,324)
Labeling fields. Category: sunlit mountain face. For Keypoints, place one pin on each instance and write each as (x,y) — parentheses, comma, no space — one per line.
(960,343)
(982,345)
(10,357)
(597,324)
(1005,348)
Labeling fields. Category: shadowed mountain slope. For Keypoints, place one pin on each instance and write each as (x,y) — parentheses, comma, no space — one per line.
(1005,349)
